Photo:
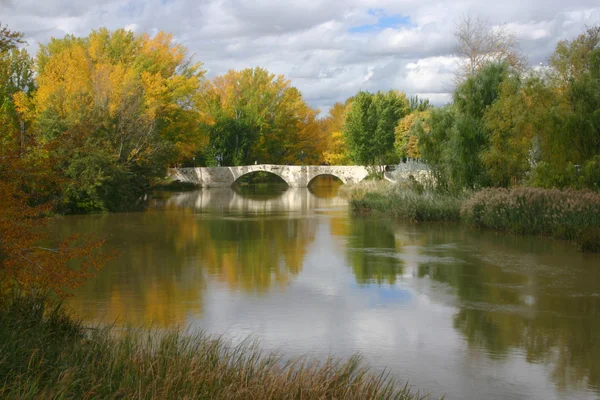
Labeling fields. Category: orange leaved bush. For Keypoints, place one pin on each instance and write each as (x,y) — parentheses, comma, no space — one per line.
(29,259)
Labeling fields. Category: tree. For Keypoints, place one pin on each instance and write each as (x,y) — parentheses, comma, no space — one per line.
(407,142)
(457,138)
(568,140)
(113,109)
(511,128)
(433,143)
(9,39)
(406,138)
(29,259)
(479,43)
(253,115)
(370,124)
(336,150)
(16,76)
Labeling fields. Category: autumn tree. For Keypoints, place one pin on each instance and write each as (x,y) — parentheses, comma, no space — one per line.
(114,108)
(370,125)
(29,259)
(511,132)
(336,149)
(9,39)
(406,138)
(479,43)
(253,115)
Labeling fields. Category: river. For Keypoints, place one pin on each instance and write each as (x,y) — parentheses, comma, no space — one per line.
(457,311)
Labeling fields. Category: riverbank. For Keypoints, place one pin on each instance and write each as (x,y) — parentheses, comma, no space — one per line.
(569,215)
(47,353)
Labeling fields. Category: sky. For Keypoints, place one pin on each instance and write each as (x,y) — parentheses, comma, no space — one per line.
(329,49)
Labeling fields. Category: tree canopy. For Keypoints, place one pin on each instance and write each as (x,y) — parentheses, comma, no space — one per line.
(370,125)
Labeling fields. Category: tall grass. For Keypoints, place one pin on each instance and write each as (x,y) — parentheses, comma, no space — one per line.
(572,215)
(47,354)
(408,201)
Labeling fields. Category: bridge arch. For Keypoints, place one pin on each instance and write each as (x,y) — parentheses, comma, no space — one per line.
(237,177)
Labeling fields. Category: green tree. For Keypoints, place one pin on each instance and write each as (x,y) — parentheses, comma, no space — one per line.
(458,137)
(568,140)
(370,125)
(16,75)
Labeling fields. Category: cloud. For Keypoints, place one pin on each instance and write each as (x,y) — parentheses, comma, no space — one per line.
(328,48)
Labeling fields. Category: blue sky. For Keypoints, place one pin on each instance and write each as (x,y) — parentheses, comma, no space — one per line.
(383,21)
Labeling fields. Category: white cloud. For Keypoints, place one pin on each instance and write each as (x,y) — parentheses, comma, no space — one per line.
(312,41)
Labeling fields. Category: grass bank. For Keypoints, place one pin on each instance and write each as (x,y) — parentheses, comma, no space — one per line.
(571,215)
(402,200)
(45,353)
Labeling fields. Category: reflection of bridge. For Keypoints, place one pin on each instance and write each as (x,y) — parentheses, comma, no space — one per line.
(293,175)
(224,199)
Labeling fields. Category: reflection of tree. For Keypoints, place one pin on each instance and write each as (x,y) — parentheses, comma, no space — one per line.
(159,277)
(325,186)
(536,306)
(152,282)
(254,253)
(372,248)
(248,250)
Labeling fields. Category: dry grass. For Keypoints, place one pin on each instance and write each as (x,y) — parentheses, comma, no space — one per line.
(49,355)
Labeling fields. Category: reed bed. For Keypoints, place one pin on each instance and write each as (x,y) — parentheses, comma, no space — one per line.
(48,354)
(572,215)
(406,201)
(569,214)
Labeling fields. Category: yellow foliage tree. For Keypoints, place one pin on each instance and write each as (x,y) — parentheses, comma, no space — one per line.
(30,260)
(407,143)
(116,108)
(253,115)
(336,151)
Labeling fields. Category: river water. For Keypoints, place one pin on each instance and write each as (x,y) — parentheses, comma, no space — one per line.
(467,313)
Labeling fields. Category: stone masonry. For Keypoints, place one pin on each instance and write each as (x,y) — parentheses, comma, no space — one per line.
(293,175)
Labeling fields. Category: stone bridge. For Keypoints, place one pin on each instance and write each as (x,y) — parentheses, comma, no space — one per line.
(293,175)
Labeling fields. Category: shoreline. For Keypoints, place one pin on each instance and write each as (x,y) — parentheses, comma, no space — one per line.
(572,215)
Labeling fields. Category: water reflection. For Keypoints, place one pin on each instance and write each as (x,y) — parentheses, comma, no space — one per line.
(514,295)
(471,313)
(155,279)
(170,251)
(289,203)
